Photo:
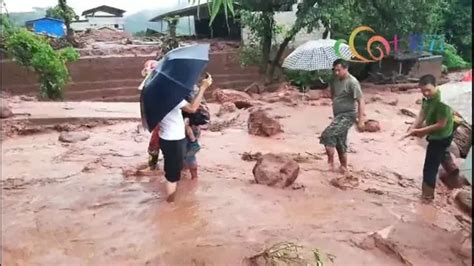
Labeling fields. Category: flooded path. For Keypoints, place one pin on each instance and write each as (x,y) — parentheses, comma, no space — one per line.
(70,204)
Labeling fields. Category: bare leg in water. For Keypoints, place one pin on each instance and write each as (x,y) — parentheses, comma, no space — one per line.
(171,191)
(343,160)
(330,151)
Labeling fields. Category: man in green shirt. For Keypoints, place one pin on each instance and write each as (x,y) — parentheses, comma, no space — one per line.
(346,94)
(435,121)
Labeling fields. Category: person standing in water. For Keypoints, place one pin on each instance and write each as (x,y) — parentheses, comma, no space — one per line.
(173,138)
(435,121)
(346,93)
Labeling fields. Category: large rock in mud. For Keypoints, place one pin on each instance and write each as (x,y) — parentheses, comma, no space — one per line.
(240,99)
(227,107)
(261,124)
(276,170)
(315,95)
(285,93)
(371,126)
(73,137)
(6,112)
(463,139)
(464,201)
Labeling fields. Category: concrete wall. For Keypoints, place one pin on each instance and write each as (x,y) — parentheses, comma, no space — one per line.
(117,78)
(98,22)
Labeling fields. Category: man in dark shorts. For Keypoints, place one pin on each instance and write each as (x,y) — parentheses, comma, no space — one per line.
(345,93)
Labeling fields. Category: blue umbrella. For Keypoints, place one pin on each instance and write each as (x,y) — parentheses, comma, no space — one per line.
(172,81)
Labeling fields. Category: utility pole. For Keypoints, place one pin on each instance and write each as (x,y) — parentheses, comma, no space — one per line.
(3,6)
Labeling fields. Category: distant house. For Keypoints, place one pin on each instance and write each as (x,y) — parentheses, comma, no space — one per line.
(199,26)
(48,26)
(99,17)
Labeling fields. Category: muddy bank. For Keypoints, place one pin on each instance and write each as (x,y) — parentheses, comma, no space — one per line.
(71,204)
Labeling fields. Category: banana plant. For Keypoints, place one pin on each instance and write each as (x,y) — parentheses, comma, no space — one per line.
(215,6)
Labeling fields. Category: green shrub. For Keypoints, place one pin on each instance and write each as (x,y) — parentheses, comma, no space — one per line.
(304,79)
(452,60)
(35,52)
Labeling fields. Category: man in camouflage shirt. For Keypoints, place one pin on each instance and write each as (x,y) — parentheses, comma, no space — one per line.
(345,93)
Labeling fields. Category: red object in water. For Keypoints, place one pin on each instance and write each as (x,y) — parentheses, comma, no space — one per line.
(154,144)
(468,76)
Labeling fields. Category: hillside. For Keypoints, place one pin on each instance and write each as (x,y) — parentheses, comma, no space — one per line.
(133,23)
(140,21)
(19,18)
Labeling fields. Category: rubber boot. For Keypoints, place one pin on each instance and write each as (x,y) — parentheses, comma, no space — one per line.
(427,193)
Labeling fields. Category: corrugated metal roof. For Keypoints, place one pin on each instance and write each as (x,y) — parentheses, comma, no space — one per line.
(106,9)
(44,18)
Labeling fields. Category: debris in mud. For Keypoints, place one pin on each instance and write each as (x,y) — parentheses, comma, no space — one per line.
(275,170)
(297,157)
(73,137)
(408,112)
(249,157)
(219,125)
(6,112)
(240,99)
(464,248)
(286,253)
(464,201)
(281,253)
(344,182)
(226,107)
(298,187)
(261,124)
(372,126)
(374,191)
(373,99)
(285,93)
(314,95)
(140,171)
(393,102)
(104,34)
(376,240)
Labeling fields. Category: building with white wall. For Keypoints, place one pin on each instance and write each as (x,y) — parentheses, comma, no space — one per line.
(286,19)
(98,17)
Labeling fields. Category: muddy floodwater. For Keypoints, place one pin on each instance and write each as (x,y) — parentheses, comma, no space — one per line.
(76,204)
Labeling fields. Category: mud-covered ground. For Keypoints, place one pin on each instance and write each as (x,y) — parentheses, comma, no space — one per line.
(78,204)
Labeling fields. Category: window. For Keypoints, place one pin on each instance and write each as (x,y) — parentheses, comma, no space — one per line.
(116,26)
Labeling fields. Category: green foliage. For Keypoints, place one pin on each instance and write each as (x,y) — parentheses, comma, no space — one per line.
(457,26)
(216,6)
(304,79)
(58,13)
(170,41)
(452,60)
(260,26)
(141,33)
(34,52)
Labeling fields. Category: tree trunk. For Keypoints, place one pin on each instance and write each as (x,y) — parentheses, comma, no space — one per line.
(267,39)
(276,61)
(297,26)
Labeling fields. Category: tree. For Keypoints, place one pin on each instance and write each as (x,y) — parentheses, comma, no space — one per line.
(64,12)
(457,26)
(34,52)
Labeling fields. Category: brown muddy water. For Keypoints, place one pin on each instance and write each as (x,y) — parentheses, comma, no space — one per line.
(71,204)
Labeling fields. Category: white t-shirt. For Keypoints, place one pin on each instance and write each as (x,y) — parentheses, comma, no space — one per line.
(172,125)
